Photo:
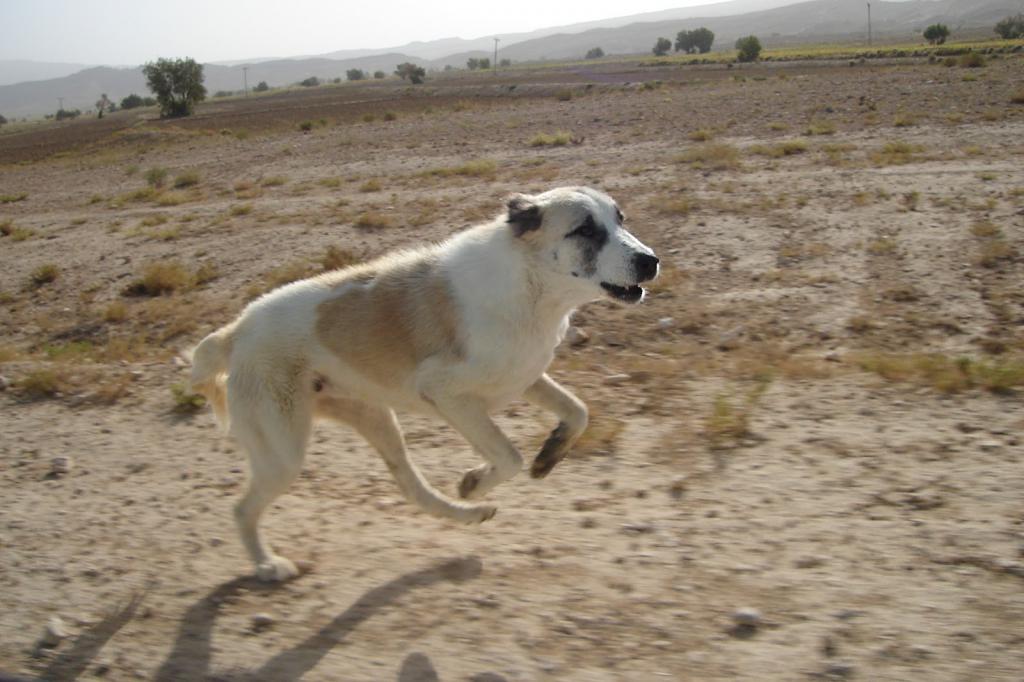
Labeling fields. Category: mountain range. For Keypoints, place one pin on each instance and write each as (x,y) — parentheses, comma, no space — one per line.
(774,21)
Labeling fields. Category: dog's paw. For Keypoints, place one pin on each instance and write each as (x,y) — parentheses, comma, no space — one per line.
(277,569)
(472,514)
(469,486)
(554,450)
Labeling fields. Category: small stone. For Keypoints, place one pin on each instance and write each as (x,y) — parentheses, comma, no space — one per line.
(576,336)
(666,323)
(616,379)
(809,562)
(677,487)
(54,633)
(747,616)
(5,383)
(990,445)
(61,466)
(636,528)
(588,522)
(838,669)
(216,542)
(833,356)
(261,621)
(730,340)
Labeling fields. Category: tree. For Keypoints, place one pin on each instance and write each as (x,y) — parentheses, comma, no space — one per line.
(505,63)
(702,39)
(408,70)
(379,75)
(472,63)
(2,120)
(310,82)
(485,63)
(749,47)
(355,74)
(1011,28)
(595,53)
(661,47)
(936,34)
(177,84)
(67,113)
(261,87)
(684,42)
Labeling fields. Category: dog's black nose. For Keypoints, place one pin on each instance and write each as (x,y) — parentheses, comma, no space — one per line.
(646,266)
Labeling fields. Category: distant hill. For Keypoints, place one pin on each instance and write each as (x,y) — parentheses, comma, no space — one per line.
(20,70)
(805,21)
(816,20)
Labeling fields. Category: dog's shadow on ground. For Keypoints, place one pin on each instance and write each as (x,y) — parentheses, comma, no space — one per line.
(190,657)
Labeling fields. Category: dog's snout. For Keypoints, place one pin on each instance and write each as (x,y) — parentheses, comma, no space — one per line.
(646,266)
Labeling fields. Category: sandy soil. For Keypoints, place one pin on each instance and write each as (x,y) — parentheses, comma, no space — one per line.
(742,466)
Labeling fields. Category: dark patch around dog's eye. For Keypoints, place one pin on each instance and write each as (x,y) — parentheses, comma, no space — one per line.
(590,230)
(619,215)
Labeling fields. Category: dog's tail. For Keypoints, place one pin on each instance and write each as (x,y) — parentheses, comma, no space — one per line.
(209,370)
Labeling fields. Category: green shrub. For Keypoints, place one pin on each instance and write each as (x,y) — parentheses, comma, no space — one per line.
(749,49)
(177,84)
(156,176)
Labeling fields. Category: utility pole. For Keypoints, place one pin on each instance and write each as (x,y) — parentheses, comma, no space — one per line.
(869,24)
(60,102)
(496,54)
(245,79)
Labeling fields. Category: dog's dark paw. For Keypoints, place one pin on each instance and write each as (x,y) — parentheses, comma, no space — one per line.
(554,450)
(469,482)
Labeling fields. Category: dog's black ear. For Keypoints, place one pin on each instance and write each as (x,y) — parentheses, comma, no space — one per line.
(523,214)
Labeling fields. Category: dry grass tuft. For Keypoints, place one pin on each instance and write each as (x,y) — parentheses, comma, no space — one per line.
(373,220)
(477,168)
(559,139)
(186,402)
(187,179)
(43,383)
(712,157)
(336,258)
(161,278)
(44,274)
(945,374)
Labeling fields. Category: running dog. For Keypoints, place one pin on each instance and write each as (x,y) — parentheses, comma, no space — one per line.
(457,330)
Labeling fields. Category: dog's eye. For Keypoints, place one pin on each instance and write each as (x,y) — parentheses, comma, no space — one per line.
(588,230)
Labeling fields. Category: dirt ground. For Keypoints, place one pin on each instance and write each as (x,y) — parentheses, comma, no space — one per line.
(805,456)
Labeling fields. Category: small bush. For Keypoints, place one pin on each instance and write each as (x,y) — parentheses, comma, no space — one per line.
(595,53)
(186,402)
(820,128)
(12,198)
(273,181)
(115,312)
(476,168)
(1017,97)
(44,274)
(186,179)
(241,209)
(390,116)
(261,87)
(40,384)
(160,278)
(972,60)
(373,220)
(712,157)
(559,139)
(336,258)
(155,177)
(749,49)
(371,185)
(310,82)
(306,126)
(702,135)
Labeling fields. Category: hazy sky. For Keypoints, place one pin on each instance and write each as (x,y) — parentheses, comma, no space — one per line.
(129,32)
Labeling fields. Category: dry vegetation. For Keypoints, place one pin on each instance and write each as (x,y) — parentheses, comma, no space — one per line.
(816,411)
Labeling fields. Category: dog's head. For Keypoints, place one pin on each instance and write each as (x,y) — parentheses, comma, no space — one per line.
(577,234)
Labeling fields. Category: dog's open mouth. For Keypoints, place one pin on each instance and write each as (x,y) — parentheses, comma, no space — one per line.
(630,294)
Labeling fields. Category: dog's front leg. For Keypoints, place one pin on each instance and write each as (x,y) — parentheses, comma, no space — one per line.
(572,415)
(468,415)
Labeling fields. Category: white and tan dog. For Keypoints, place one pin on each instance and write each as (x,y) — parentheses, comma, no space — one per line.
(457,330)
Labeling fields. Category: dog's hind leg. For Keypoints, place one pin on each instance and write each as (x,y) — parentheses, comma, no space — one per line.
(380,428)
(276,443)
(547,394)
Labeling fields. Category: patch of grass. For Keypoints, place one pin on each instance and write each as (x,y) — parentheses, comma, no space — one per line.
(778,126)
(712,157)
(17,234)
(895,153)
(156,176)
(69,352)
(884,246)
(161,278)
(390,116)
(373,220)
(12,198)
(674,205)
(336,258)
(154,220)
(44,274)
(559,139)
(985,229)
(371,185)
(186,402)
(702,135)
(306,126)
(332,182)
(904,120)
(143,194)
(775,151)
(40,384)
(817,127)
(726,424)
(240,209)
(273,181)
(994,253)
(171,198)
(477,168)
(189,178)
(1017,97)
(369,118)
(115,312)
(946,374)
